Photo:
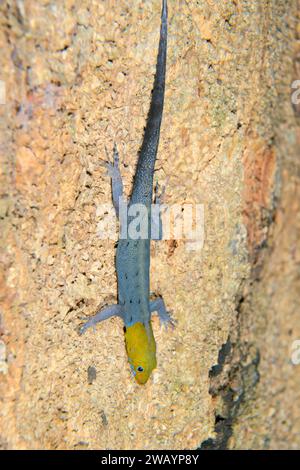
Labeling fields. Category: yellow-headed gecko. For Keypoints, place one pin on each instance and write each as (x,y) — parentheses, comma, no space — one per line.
(133,255)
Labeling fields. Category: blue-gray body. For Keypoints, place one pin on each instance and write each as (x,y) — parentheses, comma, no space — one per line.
(133,256)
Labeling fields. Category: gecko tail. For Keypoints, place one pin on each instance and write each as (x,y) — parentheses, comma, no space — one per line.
(143,180)
(164,12)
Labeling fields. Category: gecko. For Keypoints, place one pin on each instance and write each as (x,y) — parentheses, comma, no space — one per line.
(133,254)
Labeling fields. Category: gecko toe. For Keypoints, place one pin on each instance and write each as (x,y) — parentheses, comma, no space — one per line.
(168,321)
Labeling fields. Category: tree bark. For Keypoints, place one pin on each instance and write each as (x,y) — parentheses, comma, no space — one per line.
(77,77)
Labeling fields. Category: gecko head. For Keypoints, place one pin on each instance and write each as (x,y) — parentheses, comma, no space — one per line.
(141,350)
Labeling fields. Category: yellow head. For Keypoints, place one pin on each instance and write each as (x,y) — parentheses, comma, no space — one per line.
(141,350)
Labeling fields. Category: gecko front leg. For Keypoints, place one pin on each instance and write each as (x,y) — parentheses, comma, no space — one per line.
(158,305)
(107,312)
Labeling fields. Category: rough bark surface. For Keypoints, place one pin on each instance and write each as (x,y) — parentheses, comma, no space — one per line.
(78,76)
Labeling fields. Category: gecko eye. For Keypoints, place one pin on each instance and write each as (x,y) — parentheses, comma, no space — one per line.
(140,369)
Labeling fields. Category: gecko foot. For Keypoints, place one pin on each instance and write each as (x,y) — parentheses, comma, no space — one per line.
(167,321)
(165,317)
(159,194)
(106,312)
(113,170)
(156,222)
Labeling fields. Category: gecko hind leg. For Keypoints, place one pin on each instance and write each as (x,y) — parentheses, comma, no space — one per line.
(104,314)
(158,305)
(113,170)
(156,222)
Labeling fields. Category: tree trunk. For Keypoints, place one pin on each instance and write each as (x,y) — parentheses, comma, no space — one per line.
(76,76)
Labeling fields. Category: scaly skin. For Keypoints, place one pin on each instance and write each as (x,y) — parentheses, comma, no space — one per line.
(133,255)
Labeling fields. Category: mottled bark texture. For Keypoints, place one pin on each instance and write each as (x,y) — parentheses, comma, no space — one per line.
(78,76)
